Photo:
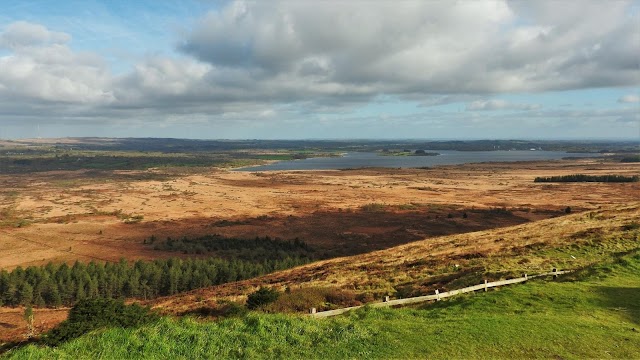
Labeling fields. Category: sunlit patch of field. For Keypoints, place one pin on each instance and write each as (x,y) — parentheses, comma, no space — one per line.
(451,262)
(68,215)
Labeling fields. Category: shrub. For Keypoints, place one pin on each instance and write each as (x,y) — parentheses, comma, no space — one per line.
(373,207)
(262,297)
(631,226)
(88,315)
(322,298)
(223,310)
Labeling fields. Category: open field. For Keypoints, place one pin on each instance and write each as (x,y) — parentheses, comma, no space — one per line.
(411,230)
(105,215)
(593,314)
(447,262)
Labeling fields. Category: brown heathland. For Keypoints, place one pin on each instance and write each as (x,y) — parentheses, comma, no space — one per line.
(396,219)
(64,216)
(447,262)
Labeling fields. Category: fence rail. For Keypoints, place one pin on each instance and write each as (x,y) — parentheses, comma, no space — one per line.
(438,295)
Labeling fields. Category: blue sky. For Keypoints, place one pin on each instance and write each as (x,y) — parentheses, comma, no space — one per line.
(334,69)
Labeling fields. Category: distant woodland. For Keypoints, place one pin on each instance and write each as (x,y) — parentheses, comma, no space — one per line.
(587,178)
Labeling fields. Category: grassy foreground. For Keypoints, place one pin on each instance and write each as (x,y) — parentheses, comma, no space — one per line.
(591,314)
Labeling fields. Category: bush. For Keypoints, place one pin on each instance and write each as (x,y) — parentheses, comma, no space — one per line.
(321,298)
(631,226)
(262,297)
(88,315)
(373,207)
(223,310)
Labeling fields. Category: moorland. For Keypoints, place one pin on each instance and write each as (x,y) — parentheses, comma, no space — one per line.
(325,239)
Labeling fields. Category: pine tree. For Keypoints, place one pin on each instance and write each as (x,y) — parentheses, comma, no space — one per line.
(25,294)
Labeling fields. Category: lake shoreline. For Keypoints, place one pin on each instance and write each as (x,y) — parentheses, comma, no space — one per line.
(351,160)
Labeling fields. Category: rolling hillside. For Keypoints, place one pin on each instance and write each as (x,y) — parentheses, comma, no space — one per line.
(449,262)
(595,313)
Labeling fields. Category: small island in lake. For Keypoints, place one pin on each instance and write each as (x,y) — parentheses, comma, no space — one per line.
(407,152)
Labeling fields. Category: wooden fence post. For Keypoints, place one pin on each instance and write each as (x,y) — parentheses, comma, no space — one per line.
(438,295)
(485,285)
(313,311)
(525,277)
(385,299)
(555,273)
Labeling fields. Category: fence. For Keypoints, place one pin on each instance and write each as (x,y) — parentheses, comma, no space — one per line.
(437,296)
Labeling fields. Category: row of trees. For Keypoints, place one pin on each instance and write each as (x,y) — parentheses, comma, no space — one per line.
(237,248)
(588,178)
(55,285)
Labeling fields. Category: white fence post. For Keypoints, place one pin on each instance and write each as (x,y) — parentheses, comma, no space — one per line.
(385,299)
(313,311)
(438,295)
(555,273)
(485,285)
(525,277)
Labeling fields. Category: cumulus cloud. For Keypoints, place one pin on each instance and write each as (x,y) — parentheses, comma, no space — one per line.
(42,68)
(499,105)
(21,34)
(631,98)
(245,59)
(424,47)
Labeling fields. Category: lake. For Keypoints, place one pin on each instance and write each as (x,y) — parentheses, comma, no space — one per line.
(446,157)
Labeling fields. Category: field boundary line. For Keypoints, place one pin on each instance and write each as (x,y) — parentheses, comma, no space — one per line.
(437,296)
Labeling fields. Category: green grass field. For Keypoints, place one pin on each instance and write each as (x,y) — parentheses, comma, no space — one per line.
(591,314)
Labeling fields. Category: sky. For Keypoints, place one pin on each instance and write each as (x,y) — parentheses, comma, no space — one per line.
(320,69)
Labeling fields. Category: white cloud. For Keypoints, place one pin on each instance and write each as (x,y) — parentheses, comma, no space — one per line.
(631,98)
(424,47)
(499,105)
(247,58)
(54,73)
(21,34)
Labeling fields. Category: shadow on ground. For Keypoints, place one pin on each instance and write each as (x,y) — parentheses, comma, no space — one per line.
(623,299)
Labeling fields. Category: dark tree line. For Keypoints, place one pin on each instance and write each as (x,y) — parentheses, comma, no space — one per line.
(588,178)
(630,159)
(61,284)
(234,248)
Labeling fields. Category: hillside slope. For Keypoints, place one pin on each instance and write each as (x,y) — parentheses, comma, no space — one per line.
(593,314)
(569,242)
